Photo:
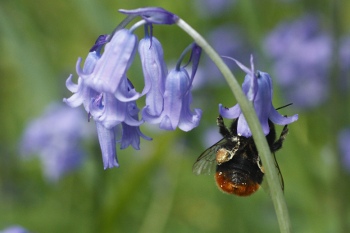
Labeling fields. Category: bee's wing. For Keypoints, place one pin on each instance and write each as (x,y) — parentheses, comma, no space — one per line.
(206,162)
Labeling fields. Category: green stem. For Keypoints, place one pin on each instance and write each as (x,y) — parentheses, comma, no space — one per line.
(254,125)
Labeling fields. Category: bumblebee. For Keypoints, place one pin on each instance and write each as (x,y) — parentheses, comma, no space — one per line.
(239,169)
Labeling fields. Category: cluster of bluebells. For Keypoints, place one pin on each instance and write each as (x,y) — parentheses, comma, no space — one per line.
(109,96)
(303,79)
(56,137)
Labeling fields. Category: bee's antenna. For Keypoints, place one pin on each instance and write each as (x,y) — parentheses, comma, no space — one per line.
(284,106)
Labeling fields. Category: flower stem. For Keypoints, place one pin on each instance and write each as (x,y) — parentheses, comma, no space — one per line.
(254,125)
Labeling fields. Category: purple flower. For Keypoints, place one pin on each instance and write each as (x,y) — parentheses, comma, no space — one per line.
(107,140)
(55,138)
(257,86)
(154,71)
(177,98)
(155,15)
(131,134)
(109,111)
(83,93)
(302,57)
(110,69)
(344,147)
(106,93)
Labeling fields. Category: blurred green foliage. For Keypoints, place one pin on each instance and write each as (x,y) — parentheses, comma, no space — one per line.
(154,189)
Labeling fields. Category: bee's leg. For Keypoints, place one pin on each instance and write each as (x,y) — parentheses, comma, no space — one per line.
(259,163)
(223,129)
(278,144)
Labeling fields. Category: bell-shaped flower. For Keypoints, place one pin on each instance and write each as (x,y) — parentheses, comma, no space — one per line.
(82,92)
(154,72)
(155,15)
(108,119)
(107,139)
(257,86)
(109,111)
(110,69)
(177,98)
(131,134)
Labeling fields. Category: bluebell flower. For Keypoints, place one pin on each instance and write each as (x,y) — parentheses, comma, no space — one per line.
(107,140)
(177,98)
(110,69)
(83,93)
(302,55)
(55,137)
(154,72)
(110,111)
(131,134)
(106,93)
(153,15)
(102,107)
(257,86)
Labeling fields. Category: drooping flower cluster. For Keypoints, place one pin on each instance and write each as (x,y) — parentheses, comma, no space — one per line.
(109,97)
(257,86)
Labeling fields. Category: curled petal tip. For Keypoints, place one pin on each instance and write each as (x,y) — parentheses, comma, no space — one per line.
(111,165)
(230,113)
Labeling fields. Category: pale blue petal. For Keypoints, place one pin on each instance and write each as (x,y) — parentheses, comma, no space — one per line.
(277,118)
(243,128)
(188,119)
(113,64)
(230,113)
(79,95)
(72,87)
(124,94)
(150,118)
(175,87)
(167,124)
(154,71)
(107,141)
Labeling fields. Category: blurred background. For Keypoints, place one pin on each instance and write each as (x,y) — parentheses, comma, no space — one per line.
(51,172)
